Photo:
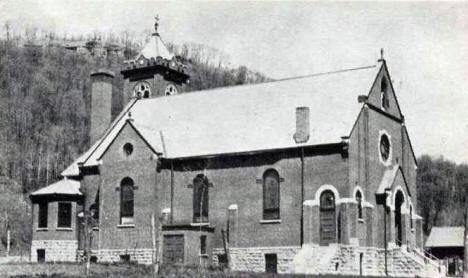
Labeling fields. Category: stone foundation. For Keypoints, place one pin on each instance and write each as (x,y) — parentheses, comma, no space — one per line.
(55,250)
(141,256)
(359,260)
(253,258)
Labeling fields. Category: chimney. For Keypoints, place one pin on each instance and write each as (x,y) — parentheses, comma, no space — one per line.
(101,102)
(302,125)
(362,99)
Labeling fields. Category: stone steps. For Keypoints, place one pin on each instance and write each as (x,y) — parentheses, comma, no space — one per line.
(357,260)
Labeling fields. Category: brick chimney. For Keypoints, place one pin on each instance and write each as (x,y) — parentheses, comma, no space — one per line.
(101,102)
(302,125)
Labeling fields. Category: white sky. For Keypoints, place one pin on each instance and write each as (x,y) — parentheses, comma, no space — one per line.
(425,45)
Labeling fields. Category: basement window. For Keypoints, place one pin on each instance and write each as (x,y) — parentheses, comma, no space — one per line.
(271,263)
(203,245)
(64,215)
(43,212)
(125,258)
(40,255)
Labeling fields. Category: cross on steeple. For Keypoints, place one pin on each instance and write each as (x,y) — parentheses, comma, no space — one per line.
(381,55)
(156,24)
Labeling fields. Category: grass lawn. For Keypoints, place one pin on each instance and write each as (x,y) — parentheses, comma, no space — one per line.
(70,270)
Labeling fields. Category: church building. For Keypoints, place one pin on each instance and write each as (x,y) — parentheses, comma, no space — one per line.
(312,174)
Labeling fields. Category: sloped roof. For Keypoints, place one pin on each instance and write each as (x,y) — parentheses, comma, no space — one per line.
(155,48)
(445,237)
(62,187)
(387,179)
(72,169)
(245,118)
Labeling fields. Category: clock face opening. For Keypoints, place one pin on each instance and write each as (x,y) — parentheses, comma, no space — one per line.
(384,147)
(142,90)
(171,89)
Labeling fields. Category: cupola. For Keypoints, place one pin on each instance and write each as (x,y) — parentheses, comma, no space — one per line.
(155,71)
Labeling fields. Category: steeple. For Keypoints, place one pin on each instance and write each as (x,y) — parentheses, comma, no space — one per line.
(154,68)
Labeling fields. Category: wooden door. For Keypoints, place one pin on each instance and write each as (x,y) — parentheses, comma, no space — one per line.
(327,218)
(173,249)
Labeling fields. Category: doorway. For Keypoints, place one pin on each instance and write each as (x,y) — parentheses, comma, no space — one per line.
(327,218)
(399,200)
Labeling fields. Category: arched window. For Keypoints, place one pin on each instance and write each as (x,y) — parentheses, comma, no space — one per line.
(359,203)
(411,216)
(399,202)
(126,201)
(271,195)
(385,103)
(200,199)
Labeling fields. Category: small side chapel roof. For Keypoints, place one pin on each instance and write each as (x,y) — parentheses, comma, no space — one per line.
(245,118)
(387,179)
(62,187)
(445,237)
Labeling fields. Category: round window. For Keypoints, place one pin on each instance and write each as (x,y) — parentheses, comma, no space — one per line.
(171,90)
(128,149)
(384,147)
(142,90)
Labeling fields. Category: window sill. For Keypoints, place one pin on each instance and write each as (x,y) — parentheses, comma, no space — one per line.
(361,220)
(270,221)
(42,229)
(126,226)
(200,224)
(64,229)
(203,255)
(95,228)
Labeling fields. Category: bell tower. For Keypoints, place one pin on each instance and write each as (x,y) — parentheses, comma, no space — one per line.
(155,71)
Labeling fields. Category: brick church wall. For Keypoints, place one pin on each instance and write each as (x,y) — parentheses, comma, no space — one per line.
(140,166)
(237,181)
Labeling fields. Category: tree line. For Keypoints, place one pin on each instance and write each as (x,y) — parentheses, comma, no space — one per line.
(44,122)
(44,102)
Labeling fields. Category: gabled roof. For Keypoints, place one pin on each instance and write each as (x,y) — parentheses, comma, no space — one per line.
(73,169)
(389,177)
(445,237)
(62,187)
(245,118)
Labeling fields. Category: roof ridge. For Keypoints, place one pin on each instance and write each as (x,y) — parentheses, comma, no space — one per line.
(322,73)
(267,82)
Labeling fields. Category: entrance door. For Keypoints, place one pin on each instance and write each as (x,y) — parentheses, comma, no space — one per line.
(399,200)
(173,249)
(327,218)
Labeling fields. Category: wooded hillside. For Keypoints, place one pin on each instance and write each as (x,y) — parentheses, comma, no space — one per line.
(44,108)
(44,121)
